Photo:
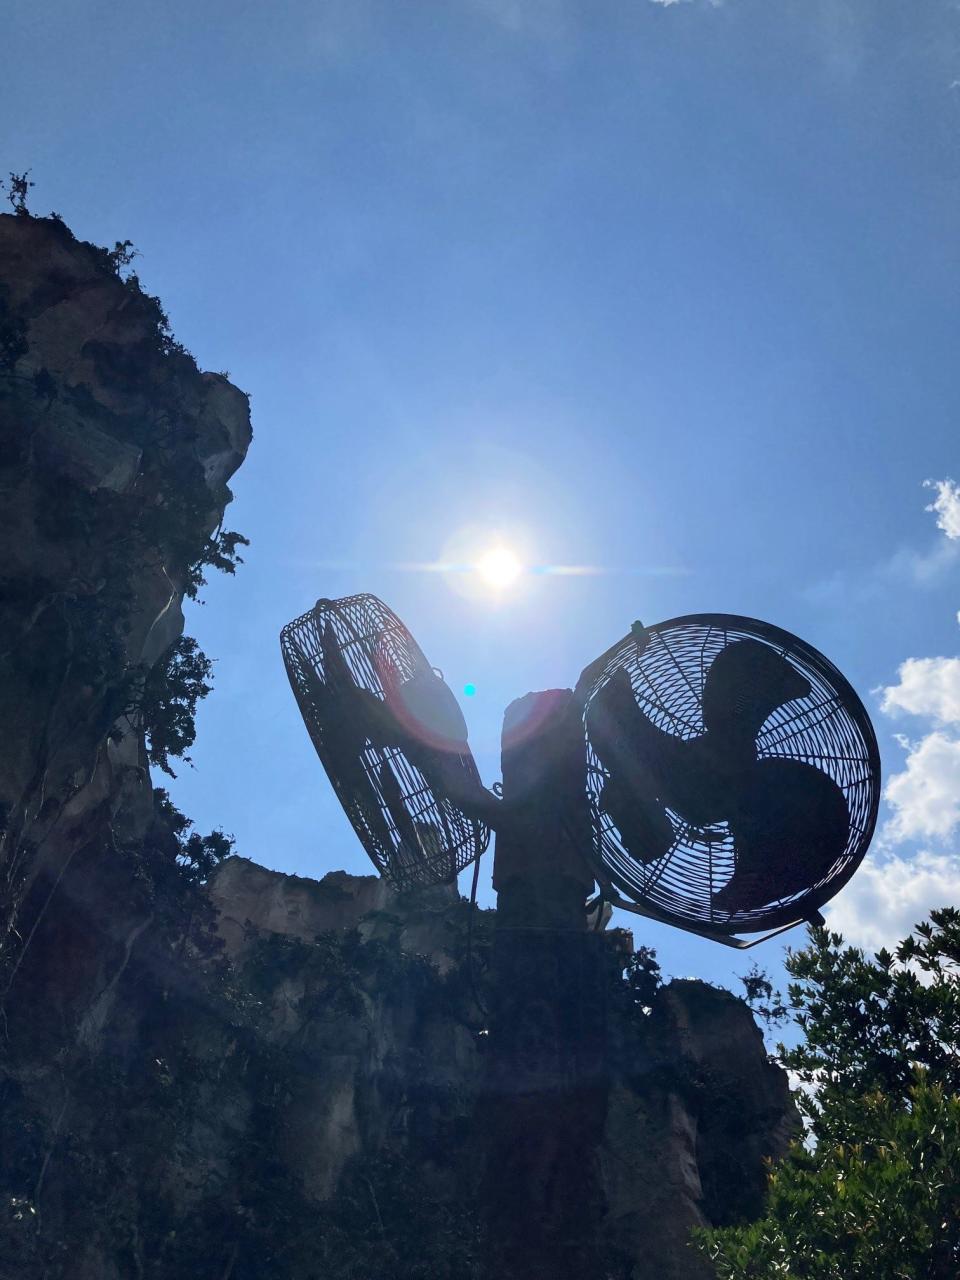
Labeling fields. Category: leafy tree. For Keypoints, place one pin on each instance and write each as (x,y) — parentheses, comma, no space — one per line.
(17,191)
(219,552)
(766,1003)
(170,866)
(642,977)
(168,698)
(873,1193)
(195,856)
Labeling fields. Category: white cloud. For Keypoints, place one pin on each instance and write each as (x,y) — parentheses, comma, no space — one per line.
(925,797)
(927,687)
(910,565)
(891,892)
(946,505)
(888,896)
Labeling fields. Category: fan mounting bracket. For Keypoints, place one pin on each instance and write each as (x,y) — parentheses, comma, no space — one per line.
(712,935)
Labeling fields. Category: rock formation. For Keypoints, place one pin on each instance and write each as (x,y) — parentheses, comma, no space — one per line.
(209,1069)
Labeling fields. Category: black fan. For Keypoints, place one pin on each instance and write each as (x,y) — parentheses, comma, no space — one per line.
(733,774)
(391,737)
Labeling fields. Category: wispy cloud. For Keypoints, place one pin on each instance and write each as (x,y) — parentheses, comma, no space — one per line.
(924,796)
(921,568)
(889,895)
(541,19)
(895,889)
(946,505)
(907,566)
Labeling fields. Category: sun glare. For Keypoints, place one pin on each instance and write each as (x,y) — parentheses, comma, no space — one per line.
(499,567)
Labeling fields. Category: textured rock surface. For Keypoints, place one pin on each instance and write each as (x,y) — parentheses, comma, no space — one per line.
(115,451)
(262,1075)
(688,1129)
(251,900)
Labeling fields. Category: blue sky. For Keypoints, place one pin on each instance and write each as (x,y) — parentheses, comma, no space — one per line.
(666,288)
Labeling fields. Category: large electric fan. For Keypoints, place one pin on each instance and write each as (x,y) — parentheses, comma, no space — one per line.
(733,775)
(391,737)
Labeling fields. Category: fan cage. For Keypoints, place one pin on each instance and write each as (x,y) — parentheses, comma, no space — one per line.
(379,652)
(829,728)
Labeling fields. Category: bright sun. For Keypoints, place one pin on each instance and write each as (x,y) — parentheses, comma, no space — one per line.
(499,567)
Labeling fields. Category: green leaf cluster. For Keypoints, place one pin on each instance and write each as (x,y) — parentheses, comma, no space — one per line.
(874,1191)
(168,696)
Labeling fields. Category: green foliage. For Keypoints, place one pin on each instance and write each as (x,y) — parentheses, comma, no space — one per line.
(163,520)
(874,1193)
(17,191)
(220,553)
(765,1002)
(400,1208)
(869,1023)
(167,701)
(196,856)
(642,977)
(385,1222)
(884,1208)
(170,867)
(121,255)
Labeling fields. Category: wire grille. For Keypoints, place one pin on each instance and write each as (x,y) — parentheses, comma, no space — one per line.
(828,729)
(414,835)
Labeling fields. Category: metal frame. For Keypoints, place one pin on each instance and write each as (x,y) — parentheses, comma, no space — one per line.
(423,815)
(399,796)
(612,864)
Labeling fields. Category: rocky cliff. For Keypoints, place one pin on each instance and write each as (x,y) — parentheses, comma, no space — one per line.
(212,1070)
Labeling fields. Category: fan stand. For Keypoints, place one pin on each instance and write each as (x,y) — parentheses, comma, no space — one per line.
(542,823)
(546,1079)
(611,895)
(547,1052)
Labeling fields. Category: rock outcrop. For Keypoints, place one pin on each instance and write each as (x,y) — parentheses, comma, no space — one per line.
(115,451)
(209,1069)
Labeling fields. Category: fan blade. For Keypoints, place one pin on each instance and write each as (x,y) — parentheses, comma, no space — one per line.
(746,682)
(624,739)
(645,829)
(393,802)
(690,776)
(336,671)
(446,770)
(790,825)
(430,712)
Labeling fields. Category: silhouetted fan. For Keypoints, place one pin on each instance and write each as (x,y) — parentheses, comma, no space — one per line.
(733,773)
(391,737)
